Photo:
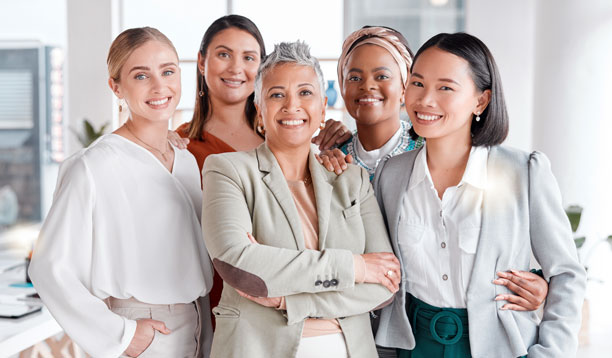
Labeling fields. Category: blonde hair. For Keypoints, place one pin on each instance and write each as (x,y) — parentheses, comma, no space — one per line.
(128,41)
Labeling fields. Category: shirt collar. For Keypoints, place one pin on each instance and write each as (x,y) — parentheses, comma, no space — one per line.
(475,171)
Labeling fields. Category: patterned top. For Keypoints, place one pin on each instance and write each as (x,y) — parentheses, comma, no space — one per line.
(404,144)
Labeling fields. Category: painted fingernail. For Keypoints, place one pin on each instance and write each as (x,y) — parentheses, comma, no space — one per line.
(499,298)
(498,281)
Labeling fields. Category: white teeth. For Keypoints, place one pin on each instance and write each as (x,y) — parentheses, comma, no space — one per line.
(293,122)
(160,102)
(426,117)
(232,82)
(369,100)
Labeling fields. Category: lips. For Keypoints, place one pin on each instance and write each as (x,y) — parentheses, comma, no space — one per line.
(159,102)
(232,82)
(369,100)
(292,122)
(428,117)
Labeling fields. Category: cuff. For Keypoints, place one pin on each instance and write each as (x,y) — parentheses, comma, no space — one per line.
(360,268)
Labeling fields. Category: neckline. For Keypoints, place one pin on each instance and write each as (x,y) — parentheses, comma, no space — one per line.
(208,134)
(174,149)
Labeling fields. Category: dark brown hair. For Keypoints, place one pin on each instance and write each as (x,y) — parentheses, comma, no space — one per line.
(203,109)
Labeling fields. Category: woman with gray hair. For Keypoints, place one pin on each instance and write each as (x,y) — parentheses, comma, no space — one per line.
(321,258)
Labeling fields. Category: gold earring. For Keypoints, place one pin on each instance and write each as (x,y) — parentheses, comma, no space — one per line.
(201,92)
(322,125)
(261,129)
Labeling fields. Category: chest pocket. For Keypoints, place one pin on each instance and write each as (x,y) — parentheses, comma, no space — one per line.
(468,243)
(410,242)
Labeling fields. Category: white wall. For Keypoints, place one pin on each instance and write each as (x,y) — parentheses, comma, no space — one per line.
(572,115)
(507,28)
(40,20)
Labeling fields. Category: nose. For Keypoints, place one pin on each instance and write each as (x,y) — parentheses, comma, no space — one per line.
(368,83)
(424,97)
(156,83)
(235,66)
(292,104)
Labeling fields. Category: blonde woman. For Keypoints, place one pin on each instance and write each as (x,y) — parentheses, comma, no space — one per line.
(120,261)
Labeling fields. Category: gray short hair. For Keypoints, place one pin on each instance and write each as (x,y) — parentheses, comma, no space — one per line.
(288,52)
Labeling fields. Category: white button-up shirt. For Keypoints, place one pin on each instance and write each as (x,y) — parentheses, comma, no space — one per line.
(438,238)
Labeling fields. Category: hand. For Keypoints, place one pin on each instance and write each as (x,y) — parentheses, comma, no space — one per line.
(383,268)
(145,332)
(177,140)
(334,160)
(264,301)
(335,132)
(530,290)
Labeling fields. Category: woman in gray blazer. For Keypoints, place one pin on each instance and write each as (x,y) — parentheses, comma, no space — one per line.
(322,258)
(463,208)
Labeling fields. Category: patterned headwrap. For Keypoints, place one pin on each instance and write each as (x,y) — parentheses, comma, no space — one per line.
(380,36)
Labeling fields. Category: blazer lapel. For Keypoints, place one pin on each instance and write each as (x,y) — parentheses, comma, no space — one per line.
(395,196)
(276,183)
(323,192)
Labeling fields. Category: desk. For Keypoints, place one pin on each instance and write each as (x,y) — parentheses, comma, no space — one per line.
(18,334)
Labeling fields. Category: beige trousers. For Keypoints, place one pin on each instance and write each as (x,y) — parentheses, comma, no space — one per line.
(189,323)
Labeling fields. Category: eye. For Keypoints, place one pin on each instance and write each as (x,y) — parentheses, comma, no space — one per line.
(224,54)
(416,83)
(277,95)
(354,79)
(249,58)
(446,88)
(305,92)
(140,76)
(168,73)
(382,77)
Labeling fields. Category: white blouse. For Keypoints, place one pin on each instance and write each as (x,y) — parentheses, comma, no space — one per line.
(121,225)
(438,238)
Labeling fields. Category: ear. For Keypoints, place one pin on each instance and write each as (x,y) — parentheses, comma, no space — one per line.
(114,86)
(483,101)
(402,96)
(201,63)
(258,116)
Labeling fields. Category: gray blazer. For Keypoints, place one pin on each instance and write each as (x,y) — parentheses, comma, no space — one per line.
(247,192)
(522,213)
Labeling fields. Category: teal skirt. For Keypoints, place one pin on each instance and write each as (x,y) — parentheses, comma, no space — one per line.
(438,332)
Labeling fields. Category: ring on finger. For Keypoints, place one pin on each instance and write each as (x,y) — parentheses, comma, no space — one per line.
(389,273)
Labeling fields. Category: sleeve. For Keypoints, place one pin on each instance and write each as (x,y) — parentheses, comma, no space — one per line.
(553,247)
(61,267)
(259,270)
(361,298)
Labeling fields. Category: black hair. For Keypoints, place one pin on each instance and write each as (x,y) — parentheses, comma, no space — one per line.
(492,129)
(202,109)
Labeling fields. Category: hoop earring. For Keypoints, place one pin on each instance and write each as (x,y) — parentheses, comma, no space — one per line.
(201,92)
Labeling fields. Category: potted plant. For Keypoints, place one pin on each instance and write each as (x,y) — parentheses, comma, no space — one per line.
(89,134)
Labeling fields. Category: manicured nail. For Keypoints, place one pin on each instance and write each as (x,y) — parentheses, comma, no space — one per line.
(502,274)
(514,271)
(498,281)
(499,298)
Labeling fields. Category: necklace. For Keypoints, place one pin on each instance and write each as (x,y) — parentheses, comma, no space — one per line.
(163,154)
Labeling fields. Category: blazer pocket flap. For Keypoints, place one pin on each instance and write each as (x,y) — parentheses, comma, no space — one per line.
(351,211)
(226,312)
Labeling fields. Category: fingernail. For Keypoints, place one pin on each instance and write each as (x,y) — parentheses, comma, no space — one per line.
(499,298)
(502,274)
(498,281)
(503,308)
(344,166)
(514,271)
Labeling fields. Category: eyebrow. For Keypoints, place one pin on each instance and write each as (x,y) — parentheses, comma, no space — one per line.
(418,75)
(381,68)
(230,50)
(145,68)
(305,84)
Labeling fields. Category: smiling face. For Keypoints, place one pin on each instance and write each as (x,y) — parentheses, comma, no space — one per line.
(230,65)
(150,82)
(372,88)
(441,97)
(292,107)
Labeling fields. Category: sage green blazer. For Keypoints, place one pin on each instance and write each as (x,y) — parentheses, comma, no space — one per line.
(247,192)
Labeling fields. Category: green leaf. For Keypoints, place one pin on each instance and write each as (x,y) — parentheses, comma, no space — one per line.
(574,213)
(609,240)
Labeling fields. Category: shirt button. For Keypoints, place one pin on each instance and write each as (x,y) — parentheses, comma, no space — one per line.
(326,283)
(334,282)
(443,245)
(318,282)
(445,277)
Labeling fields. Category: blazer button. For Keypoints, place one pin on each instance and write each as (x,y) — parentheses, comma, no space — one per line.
(334,282)
(318,282)
(326,283)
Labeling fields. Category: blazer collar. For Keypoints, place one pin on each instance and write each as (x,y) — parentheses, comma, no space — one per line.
(277,184)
